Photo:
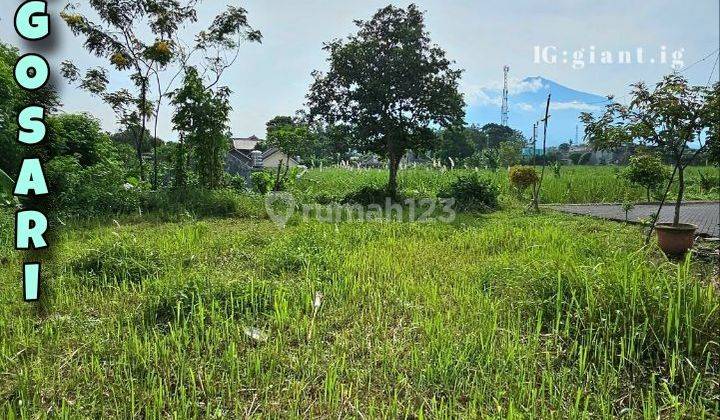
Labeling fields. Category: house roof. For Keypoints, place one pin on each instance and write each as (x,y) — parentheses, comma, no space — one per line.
(245,143)
(271,151)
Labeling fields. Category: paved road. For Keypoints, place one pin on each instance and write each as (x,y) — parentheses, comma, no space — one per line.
(706,216)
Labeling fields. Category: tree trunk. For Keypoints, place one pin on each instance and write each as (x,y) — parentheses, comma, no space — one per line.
(647,193)
(143,103)
(393,164)
(681,192)
(287,168)
(155,164)
(138,153)
(278,186)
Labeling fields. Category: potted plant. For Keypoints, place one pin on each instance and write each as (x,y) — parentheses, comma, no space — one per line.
(674,118)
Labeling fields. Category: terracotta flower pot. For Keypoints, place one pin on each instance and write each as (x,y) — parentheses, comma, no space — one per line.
(675,241)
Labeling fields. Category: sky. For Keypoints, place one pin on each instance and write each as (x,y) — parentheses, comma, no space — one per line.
(272,78)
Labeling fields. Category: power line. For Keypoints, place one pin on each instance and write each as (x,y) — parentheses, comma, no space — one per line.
(686,68)
(713,69)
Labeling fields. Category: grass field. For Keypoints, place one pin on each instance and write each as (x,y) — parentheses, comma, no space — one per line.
(508,314)
(576,184)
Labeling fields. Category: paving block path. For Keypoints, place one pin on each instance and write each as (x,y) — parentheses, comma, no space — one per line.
(706,216)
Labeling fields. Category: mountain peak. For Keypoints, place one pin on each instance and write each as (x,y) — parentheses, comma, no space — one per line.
(527,99)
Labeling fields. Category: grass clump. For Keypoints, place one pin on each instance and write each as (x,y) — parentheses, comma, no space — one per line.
(472,193)
(206,203)
(119,259)
(202,300)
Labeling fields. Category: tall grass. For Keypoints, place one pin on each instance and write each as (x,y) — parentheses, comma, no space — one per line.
(576,184)
(507,315)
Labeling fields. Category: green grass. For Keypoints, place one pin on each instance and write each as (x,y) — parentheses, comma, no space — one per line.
(576,184)
(506,315)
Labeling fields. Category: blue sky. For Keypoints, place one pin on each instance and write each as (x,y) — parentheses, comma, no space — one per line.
(481,36)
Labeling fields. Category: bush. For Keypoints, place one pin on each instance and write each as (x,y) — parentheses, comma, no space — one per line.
(647,171)
(262,181)
(235,182)
(472,193)
(99,189)
(522,177)
(369,194)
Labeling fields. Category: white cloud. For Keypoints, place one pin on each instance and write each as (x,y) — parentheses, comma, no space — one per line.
(524,106)
(491,93)
(574,105)
(480,95)
(516,87)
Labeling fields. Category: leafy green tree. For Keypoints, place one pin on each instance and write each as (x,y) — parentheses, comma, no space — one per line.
(290,136)
(77,135)
(118,37)
(510,152)
(647,171)
(459,143)
(12,100)
(128,135)
(711,116)
(201,117)
(669,118)
(496,134)
(390,84)
(331,143)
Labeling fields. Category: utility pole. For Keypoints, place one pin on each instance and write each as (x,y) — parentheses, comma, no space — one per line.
(536,192)
(534,140)
(505,111)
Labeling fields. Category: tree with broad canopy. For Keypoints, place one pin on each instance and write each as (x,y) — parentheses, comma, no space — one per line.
(390,85)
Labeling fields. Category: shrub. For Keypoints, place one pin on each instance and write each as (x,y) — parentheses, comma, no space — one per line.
(510,152)
(575,157)
(522,177)
(262,181)
(647,171)
(585,158)
(236,182)
(472,193)
(708,182)
(99,189)
(369,194)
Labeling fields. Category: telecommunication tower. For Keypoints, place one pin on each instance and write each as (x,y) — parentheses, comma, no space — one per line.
(504,110)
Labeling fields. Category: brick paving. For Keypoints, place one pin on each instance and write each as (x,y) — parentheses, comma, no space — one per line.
(706,216)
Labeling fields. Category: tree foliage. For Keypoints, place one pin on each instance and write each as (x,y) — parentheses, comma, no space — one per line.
(460,143)
(201,116)
(390,85)
(647,171)
(497,134)
(669,118)
(510,152)
(12,100)
(117,38)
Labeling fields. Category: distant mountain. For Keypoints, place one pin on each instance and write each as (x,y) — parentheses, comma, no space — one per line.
(526,100)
